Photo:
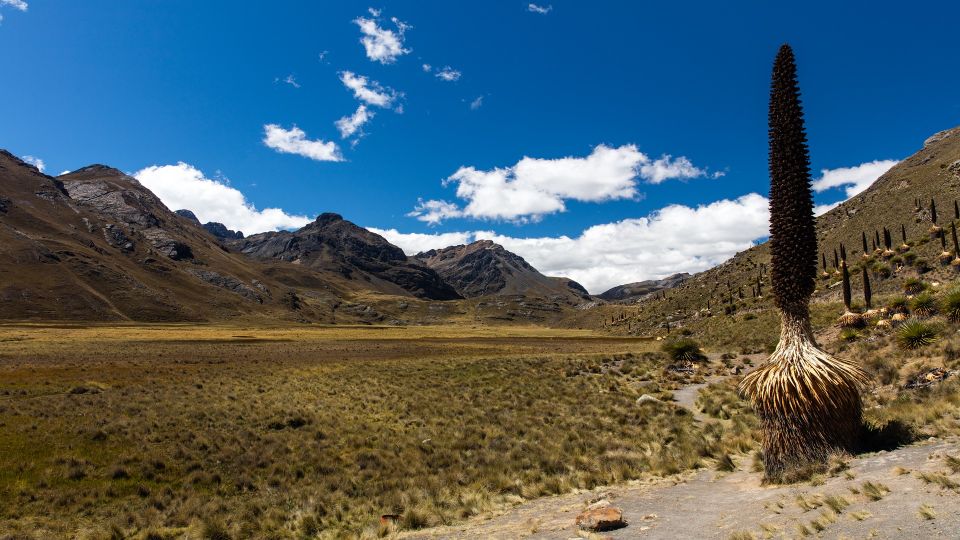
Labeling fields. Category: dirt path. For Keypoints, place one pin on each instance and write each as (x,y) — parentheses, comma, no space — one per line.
(717,505)
(686,397)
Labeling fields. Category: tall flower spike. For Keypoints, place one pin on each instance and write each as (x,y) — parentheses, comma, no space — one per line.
(808,402)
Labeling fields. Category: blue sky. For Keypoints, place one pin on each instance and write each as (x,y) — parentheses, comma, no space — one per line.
(223,88)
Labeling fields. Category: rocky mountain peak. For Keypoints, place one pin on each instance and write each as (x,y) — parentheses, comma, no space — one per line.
(188,214)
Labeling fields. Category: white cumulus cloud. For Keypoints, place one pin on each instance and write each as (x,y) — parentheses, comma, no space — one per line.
(294,141)
(533,187)
(36,162)
(477,103)
(15,4)
(853,179)
(382,44)
(673,239)
(667,168)
(367,91)
(542,10)
(183,186)
(448,74)
(349,125)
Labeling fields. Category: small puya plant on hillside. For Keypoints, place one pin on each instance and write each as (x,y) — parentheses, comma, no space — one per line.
(904,246)
(849,319)
(956,247)
(935,230)
(808,402)
(887,244)
(945,256)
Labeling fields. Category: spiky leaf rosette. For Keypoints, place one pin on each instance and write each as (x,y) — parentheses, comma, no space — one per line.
(808,402)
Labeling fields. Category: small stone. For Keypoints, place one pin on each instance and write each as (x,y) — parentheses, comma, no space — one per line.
(601,519)
(647,398)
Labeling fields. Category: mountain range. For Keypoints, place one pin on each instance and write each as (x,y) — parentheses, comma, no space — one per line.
(95,244)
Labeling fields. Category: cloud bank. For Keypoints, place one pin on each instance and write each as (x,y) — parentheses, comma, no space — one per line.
(853,179)
(533,187)
(673,239)
(184,186)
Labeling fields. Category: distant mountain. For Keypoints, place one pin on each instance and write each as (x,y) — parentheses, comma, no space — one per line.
(333,244)
(485,268)
(633,291)
(96,245)
(215,228)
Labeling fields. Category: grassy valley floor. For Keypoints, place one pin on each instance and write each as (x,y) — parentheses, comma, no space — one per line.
(169,430)
(218,432)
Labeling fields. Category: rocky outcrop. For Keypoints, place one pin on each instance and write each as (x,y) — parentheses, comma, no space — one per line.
(227,282)
(111,193)
(221,231)
(334,244)
(117,238)
(485,268)
(633,291)
(187,214)
(167,245)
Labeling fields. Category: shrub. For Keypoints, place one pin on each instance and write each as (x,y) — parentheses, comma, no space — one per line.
(923,305)
(914,286)
(684,349)
(849,334)
(915,333)
(898,304)
(951,305)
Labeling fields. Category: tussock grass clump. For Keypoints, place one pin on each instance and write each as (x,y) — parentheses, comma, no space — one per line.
(808,402)
(915,333)
(939,479)
(926,512)
(684,350)
(874,491)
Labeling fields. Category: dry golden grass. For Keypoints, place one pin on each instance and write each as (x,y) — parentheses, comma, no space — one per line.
(288,432)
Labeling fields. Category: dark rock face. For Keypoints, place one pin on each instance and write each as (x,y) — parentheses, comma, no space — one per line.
(221,231)
(166,245)
(4,205)
(227,282)
(123,200)
(117,238)
(333,244)
(484,268)
(642,288)
(187,214)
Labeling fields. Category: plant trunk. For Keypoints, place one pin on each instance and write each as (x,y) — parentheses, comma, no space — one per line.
(808,401)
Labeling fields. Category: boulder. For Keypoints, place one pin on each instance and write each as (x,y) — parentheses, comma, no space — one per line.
(601,519)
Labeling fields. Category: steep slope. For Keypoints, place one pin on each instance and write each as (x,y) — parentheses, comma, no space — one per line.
(96,245)
(485,268)
(639,289)
(933,172)
(333,244)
